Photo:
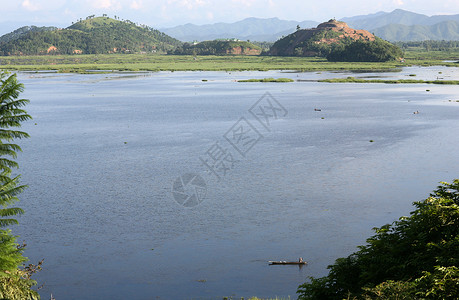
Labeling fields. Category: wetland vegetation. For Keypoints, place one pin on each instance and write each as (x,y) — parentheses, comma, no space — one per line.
(156,62)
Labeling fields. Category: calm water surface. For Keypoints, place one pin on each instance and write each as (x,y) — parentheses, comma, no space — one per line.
(105,150)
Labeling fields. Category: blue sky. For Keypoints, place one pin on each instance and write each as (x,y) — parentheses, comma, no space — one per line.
(166,13)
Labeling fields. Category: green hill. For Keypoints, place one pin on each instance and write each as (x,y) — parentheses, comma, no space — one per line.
(95,23)
(219,47)
(336,41)
(22,31)
(91,36)
(319,41)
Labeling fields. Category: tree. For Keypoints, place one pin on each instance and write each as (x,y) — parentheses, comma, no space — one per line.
(14,282)
(415,257)
(368,51)
(298,27)
(11,116)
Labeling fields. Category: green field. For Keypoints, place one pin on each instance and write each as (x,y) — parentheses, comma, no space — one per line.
(158,62)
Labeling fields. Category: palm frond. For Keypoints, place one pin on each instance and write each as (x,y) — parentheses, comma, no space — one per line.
(12,211)
(8,222)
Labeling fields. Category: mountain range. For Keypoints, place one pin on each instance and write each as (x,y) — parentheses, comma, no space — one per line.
(398,25)
(254,29)
(398,16)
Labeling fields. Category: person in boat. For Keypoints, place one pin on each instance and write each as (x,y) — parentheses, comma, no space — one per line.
(300,260)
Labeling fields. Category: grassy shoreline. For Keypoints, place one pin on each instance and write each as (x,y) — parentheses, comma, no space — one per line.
(268,80)
(388,81)
(156,62)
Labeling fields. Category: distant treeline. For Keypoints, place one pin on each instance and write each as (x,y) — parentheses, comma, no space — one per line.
(216,47)
(430,45)
(265,46)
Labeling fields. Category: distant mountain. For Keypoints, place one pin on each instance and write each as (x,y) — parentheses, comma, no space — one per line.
(22,31)
(398,25)
(255,29)
(447,30)
(402,25)
(361,17)
(398,16)
(93,35)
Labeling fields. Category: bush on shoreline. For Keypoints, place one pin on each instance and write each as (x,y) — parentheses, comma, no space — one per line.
(415,257)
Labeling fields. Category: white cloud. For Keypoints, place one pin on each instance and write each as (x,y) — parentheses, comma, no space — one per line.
(105,4)
(29,5)
(190,4)
(136,4)
(244,2)
(398,2)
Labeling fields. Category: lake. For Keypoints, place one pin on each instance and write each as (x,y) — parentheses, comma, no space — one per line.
(310,176)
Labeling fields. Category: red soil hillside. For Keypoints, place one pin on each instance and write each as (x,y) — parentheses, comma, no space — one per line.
(311,42)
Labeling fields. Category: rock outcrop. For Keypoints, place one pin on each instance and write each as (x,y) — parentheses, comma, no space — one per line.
(243,51)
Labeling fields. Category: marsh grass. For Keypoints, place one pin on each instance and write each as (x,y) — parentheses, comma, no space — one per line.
(160,62)
(156,62)
(390,81)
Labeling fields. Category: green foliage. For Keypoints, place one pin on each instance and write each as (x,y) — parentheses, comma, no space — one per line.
(95,35)
(22,31)
(216,47)
(363,51)
(18,284)
(10,255)
(396,290)
(442,283)
(11,116)
(415,256)
(14,283)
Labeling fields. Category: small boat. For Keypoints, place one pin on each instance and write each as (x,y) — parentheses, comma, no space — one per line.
(288,262)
